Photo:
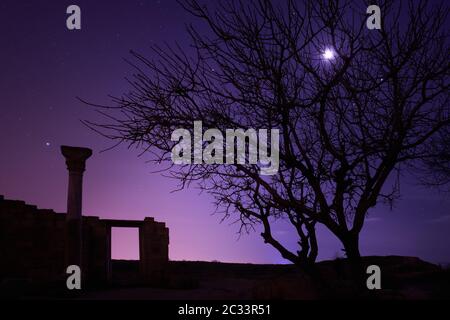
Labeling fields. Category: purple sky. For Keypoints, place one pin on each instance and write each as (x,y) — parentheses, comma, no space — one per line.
(44,67)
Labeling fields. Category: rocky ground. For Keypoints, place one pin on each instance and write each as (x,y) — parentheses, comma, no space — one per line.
(401,278)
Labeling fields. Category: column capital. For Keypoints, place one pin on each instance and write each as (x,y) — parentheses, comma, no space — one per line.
(76,158)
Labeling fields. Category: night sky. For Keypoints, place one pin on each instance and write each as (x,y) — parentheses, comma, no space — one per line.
(44,67)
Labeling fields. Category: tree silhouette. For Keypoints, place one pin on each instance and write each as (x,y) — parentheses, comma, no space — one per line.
(435,168)
(354,106)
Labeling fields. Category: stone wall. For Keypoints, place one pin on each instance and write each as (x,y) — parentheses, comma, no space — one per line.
(33,245)
(31,241)
(153,250)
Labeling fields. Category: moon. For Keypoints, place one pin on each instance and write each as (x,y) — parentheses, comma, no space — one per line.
(328,54)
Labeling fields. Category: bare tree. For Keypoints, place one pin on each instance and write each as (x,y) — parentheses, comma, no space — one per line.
(348,119)
(435,168)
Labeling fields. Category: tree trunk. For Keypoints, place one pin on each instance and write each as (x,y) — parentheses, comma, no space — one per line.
(351,247)
(314,247)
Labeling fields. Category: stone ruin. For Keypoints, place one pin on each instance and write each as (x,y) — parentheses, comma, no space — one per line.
(39,244)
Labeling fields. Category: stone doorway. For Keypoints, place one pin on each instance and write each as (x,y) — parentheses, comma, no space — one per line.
(125,256)
(153,252)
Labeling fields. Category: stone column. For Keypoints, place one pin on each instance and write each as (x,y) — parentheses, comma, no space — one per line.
(75,160)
